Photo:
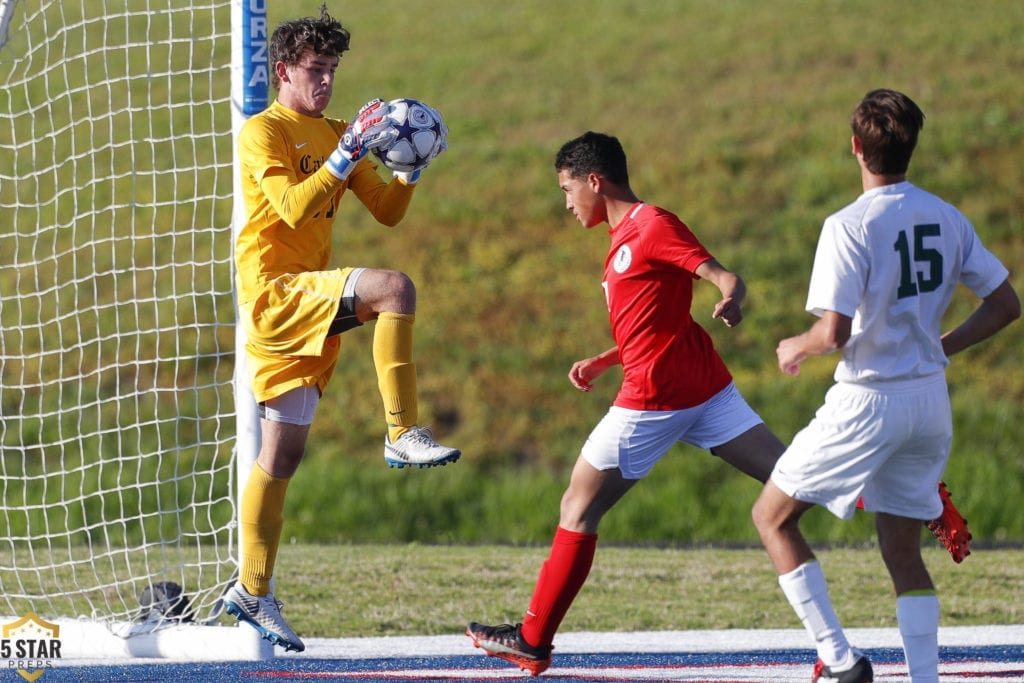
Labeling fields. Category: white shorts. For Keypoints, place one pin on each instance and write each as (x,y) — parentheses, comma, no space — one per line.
(887,442)
(295,406)
(634,440)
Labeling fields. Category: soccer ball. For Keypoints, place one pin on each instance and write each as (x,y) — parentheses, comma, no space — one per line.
(421,135)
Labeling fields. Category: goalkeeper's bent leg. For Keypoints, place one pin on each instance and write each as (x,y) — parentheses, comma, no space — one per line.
(261,519)
(396,373)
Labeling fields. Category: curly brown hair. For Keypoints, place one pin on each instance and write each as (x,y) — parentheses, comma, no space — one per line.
(291,39)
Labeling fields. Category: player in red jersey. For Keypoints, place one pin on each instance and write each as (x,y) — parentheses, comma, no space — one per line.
(675,386)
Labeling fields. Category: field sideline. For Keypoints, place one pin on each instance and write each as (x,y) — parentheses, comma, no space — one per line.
(969,654)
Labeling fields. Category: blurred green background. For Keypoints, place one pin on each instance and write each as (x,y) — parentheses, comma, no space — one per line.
(734,115)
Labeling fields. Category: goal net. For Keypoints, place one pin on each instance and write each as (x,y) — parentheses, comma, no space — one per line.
(117,408)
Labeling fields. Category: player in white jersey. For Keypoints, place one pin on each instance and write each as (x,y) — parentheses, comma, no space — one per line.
(885,270)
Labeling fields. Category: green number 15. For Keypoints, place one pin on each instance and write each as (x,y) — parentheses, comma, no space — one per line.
(912,281)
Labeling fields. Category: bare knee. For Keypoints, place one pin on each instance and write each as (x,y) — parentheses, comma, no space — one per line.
(757,515)
(774,513)
(582,511)
(764,519)
(401,292)
(380,291)
(571,516)
(402,284)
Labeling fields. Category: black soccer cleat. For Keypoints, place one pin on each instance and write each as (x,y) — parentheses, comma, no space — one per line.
(506,642)
(860,672)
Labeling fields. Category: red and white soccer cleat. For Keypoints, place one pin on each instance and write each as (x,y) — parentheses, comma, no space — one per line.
(951,528)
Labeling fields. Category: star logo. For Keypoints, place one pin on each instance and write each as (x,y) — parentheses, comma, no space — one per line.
(30,642)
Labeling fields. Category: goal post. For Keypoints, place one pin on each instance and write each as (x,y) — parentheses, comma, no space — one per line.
(123,435)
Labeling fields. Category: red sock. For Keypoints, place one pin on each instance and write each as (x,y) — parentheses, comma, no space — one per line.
(561,577)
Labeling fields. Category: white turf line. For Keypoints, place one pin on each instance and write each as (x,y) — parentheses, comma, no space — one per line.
(735,640)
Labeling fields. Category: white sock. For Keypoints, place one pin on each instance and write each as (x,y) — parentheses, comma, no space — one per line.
(918,619)
(807,592)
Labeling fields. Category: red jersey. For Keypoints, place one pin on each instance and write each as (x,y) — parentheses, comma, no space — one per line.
(668,360)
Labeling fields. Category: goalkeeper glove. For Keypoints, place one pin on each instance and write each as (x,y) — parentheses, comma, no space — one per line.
(369,130)
(409,177)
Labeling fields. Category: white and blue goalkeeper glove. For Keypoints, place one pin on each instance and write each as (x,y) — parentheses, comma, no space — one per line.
(409,177)
(369,130)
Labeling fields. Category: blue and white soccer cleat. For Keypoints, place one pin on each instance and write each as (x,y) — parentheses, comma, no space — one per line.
(417,448)
(263,613)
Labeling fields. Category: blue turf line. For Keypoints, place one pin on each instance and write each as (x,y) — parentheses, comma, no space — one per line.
(995,663)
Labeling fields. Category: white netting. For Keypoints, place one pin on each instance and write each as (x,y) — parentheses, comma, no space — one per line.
(116,355)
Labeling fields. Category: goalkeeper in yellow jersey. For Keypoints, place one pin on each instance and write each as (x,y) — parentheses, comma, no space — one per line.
(296,164)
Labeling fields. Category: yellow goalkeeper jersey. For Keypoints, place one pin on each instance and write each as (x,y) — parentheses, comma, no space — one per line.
(287,295)
(291,199)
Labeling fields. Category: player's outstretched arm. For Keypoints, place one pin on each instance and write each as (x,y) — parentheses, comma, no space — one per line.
(830,332)
(584,372)
(730,308)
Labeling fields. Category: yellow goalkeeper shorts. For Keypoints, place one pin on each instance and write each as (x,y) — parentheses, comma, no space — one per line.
(286,327)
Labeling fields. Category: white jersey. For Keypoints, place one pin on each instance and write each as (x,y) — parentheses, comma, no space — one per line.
(891,261)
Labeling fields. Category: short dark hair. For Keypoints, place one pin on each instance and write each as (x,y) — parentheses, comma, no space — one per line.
(324,36)
(887,123)
(594,153)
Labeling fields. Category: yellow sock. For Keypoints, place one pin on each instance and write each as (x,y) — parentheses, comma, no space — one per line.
(261,519)
(396,373)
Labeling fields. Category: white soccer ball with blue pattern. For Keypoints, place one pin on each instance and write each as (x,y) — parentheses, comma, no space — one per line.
(421,136)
